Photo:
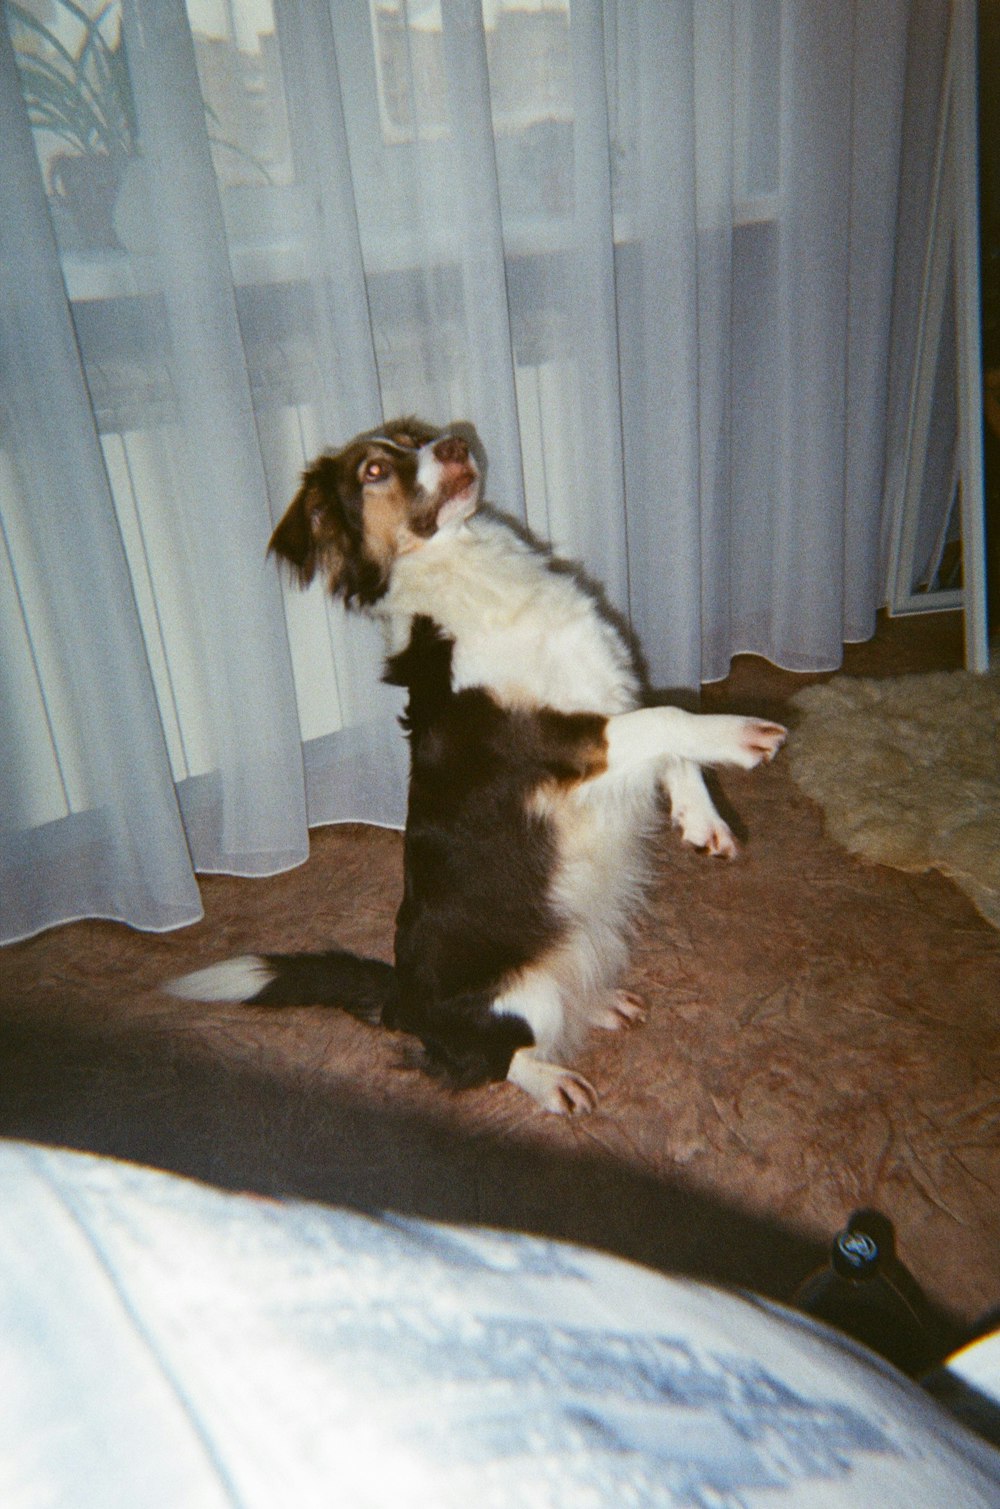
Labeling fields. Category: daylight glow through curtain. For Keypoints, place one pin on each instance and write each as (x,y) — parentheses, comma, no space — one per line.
(648,249)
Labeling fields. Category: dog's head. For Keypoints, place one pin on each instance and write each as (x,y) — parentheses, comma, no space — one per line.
(385,493)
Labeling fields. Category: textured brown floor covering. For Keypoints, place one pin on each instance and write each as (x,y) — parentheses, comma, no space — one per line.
(822,1036)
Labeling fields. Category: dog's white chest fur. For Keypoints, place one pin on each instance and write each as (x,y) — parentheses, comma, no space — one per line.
(528,634)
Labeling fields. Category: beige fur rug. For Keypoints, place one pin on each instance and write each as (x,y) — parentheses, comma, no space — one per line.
(907,771)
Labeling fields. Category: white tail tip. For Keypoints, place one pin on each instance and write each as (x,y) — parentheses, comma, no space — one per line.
(237,979)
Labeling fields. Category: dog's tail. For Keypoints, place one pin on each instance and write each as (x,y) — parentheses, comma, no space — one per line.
(364,988)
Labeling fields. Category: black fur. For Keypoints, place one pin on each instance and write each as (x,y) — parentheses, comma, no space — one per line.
(365,988)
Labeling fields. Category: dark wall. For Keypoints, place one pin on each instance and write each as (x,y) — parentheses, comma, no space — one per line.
(989,172)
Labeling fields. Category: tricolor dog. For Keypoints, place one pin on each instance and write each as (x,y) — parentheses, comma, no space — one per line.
(537,774)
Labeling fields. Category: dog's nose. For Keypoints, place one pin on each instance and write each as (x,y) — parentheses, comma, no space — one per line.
(452,448)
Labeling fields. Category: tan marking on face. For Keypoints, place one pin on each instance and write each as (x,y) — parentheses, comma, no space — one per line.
(385,511)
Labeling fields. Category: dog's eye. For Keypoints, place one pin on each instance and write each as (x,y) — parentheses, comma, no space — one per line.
(375,471)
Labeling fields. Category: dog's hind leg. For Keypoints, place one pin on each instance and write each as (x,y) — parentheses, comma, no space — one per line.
(536,999)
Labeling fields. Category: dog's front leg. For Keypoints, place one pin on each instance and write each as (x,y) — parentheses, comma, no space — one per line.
(693,812)
(669,745)
(659,734)
(679,743)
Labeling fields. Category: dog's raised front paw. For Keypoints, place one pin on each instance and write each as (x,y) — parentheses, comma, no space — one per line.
(692,810)
(706,831)
(746,742)
(762,740)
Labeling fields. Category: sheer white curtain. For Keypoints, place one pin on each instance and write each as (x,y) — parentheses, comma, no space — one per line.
(649,249)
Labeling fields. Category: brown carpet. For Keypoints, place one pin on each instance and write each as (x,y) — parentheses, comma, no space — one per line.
(822,1036)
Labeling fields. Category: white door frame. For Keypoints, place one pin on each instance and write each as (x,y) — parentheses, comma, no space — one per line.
(951,271)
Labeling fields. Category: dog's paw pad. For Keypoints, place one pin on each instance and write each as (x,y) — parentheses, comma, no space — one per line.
(762,740)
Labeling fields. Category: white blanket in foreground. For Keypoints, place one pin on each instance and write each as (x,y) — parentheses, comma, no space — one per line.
(167,1346)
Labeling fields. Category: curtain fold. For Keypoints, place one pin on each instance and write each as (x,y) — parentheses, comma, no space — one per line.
(665,274)
(89,822)
(649,250)
(927,48)
(222,520)
(877,139)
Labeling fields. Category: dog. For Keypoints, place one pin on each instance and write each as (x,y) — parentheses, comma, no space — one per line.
(537,773)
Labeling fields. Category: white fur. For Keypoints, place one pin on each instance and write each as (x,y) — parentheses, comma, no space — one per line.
(536,998)
(663,733)
(430,476)
(598,889)
(524,632)
(236,979)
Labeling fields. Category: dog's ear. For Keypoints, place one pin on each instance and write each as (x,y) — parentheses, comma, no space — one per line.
(305,537)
